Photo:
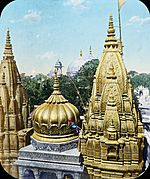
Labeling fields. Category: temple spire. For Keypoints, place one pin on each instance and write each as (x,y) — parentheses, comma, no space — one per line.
(56,82)
(8,46)
(81,53)
(111,40)
(90,50)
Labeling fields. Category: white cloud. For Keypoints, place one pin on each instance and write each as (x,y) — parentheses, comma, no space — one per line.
(139,20)
(32,16)
(48,56)
(77,4)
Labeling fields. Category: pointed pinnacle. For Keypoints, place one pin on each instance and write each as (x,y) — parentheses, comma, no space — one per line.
(8,46)
(56,82)
(111,30)
(111,40)
(81,53)
(90,50)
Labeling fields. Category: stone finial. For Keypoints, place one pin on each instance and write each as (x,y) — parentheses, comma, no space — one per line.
(111,40)
(8,46)
(81,54)
(56,82)
(90,50)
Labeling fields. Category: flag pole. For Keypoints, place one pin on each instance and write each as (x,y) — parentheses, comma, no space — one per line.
(120,35)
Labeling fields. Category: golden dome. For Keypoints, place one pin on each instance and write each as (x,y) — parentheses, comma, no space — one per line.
(52,119)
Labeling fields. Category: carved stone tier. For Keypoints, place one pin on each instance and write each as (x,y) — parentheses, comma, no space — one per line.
(54,164)
(57,147)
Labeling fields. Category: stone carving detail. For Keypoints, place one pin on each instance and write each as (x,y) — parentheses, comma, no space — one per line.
(13,110)
(116,123)
(57,147)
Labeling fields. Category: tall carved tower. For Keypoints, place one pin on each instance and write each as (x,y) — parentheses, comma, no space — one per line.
(111,139)
(13,111)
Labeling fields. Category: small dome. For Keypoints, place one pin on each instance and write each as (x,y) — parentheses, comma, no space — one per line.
(50,74)
(52,119)
(58,66)
(74,67)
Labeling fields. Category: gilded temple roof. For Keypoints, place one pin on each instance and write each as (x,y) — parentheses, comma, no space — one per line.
(112,135)
(53,118)
(112,97)
(111,61)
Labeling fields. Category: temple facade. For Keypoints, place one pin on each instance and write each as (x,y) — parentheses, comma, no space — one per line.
(111,140)
(14,131)
(53,150)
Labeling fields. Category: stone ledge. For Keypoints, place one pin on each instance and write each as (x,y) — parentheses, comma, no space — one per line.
(50,166)
(70,156)
(57,147)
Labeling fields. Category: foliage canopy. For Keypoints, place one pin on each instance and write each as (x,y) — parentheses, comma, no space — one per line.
(76,89)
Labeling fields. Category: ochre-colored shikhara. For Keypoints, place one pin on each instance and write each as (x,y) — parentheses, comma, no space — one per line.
(14,131)
(111,140)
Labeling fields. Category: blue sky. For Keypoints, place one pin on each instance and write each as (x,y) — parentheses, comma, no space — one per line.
(43,31)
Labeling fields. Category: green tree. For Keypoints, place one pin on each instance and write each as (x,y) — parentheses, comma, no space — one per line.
(142,79)
(84,79)
(76,89)
(132,73)
(38,88)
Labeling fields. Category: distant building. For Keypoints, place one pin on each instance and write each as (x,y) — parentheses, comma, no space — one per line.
(75,66)
(58,66)
(14,131)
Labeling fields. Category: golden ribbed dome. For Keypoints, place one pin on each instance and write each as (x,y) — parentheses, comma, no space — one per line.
(52,119)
